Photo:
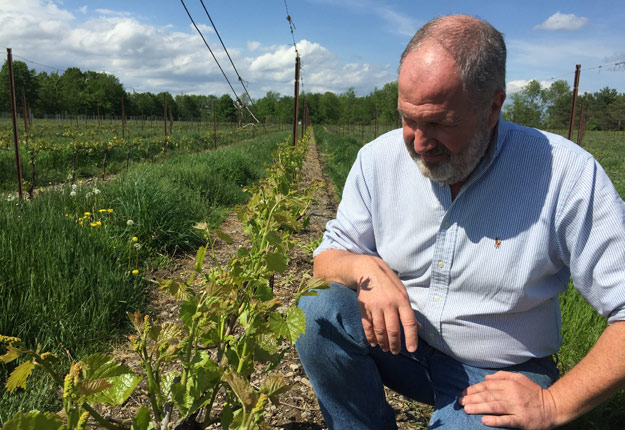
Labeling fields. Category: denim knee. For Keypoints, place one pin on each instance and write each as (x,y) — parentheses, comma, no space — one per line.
(332,320)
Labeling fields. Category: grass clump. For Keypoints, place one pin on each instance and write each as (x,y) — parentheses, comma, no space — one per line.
(73,260)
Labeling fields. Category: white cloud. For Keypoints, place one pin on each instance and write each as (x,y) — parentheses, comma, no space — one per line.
(203,28)
(518,85)
(562,22)
(253,46)
(149,58)
(83,9)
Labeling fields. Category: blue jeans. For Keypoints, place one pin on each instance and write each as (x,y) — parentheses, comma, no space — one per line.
(349,376)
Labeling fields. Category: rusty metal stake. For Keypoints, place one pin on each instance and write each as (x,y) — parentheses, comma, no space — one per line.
(296,100)
(15,137)
(574,101)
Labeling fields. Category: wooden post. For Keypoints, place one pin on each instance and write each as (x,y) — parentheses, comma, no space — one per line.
(574,101)
(15,137)
(296,97)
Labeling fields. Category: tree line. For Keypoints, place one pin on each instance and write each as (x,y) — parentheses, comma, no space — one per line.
(550,107)
(75,92)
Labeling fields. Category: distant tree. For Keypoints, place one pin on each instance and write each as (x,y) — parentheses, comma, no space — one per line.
(72,89)
(348,106)
(330,108)
(266,107)
(386,102)
(191,106)
(145,104)
(616,112)
(527,105)
(172,106)
(103,92)
(50,99)
(226,109)
(284,109)
(24,78)
(598,107)
(313,100)
(557,99)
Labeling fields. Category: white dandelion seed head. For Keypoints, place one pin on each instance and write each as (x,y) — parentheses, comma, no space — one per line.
(130,222)
(72,193)
(74,186)
(89,194)
(96,191)
(137,246)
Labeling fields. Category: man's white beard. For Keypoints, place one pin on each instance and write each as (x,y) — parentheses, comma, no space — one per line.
(456,167)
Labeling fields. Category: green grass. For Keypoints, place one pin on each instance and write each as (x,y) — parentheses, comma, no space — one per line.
(68,286)
(581,324)
(339,153)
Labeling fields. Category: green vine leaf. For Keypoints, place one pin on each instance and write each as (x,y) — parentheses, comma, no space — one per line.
(102,367)
(34,420)
(18,377)
(243,390)
(11,354)
(142,420)
(274,386)
(199,259)
(276,262)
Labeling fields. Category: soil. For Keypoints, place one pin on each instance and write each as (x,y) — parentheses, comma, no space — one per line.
(298,408)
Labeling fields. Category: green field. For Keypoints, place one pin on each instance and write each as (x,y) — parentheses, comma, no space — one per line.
(74,259)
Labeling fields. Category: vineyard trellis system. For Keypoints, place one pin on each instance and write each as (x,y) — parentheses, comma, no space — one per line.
(94,142)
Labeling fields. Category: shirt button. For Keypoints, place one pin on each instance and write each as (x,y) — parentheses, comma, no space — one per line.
(447,224)
(441,264)
(436,298)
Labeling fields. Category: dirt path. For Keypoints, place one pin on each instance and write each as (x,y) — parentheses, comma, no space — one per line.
(298,409)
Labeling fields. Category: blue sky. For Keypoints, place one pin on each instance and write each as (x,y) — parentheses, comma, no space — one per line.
(151,45)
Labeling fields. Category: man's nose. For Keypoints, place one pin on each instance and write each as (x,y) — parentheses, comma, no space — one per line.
(423,140)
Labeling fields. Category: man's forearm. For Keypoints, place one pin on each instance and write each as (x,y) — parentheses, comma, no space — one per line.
(598,376)
(335,265)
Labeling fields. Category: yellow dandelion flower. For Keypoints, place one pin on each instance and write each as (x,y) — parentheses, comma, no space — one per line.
(92,224)
(102,210)
(110,211)
(135,239)
(87,213)
(98,223)
(135,272)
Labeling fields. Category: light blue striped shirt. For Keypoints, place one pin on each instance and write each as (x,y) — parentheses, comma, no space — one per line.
(483,272)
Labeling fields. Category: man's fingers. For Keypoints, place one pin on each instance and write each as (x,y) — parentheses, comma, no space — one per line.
(393,332)
(411,326)
(379,329)
(367,326)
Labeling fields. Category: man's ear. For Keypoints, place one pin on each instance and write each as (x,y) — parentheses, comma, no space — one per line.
(495,107)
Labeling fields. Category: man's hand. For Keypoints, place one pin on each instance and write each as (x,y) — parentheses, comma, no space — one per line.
(508,399)
(384,304)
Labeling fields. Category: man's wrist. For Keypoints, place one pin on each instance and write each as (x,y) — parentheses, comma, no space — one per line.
(554,412)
